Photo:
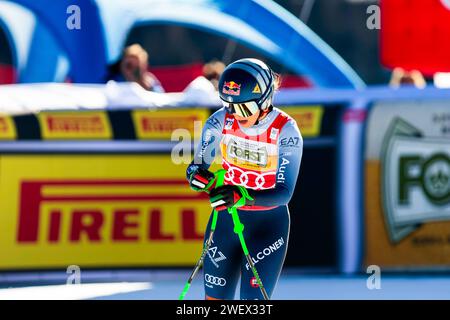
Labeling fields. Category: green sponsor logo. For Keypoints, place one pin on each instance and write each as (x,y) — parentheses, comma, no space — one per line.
(431,174)
(415,179)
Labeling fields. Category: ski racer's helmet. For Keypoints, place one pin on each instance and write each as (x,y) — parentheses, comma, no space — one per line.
(246,86)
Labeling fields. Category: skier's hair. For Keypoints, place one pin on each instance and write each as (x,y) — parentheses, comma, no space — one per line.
(277,81)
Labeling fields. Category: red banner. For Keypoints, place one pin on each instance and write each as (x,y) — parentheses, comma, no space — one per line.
(415,35)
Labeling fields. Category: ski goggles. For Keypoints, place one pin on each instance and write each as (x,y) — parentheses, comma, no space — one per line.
(245,109)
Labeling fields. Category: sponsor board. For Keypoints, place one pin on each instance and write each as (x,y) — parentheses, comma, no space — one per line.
(7,128)
(408,185)
(160,124)
(98,211)
(75,125)
(308,118)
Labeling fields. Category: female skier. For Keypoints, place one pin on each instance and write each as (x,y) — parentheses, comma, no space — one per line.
(261,148)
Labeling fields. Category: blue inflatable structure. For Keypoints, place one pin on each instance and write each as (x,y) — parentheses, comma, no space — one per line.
(45,48)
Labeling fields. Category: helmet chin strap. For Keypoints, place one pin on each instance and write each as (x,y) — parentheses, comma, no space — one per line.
(264,113)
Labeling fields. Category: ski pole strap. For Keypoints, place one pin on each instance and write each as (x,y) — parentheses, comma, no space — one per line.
(245,193)
(245,196)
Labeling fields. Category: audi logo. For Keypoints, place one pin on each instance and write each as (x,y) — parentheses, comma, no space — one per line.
(215,280)
(241,177)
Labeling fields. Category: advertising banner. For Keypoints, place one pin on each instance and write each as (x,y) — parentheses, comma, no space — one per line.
(98,211)
(160,124)
(75,125)
(407,184)
(414,35)
(103,209)
(7,128)
(308,118)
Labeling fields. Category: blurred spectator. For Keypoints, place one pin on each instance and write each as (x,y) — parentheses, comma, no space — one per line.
(402,77)
(133,67)
(208,82)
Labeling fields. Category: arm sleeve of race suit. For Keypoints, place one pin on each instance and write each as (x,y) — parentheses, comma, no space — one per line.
(290,156)
(208,147)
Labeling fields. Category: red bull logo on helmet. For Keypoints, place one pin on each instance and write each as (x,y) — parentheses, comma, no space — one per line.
(231,88)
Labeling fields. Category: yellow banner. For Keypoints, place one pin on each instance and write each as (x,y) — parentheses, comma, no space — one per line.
(309,119)
(7,128)
(160,124)
(98,211)
(75,125)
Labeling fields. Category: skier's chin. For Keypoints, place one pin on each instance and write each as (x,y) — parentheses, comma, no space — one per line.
(243,122)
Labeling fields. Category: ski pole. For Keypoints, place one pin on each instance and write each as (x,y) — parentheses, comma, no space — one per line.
(219,177)
(238,229)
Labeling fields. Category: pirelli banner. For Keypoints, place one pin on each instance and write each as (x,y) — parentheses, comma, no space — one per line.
(7,128)
(97,210)
(97,206)
(139,124)
(407,185)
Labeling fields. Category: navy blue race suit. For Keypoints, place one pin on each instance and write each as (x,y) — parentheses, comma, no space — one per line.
(267,221)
